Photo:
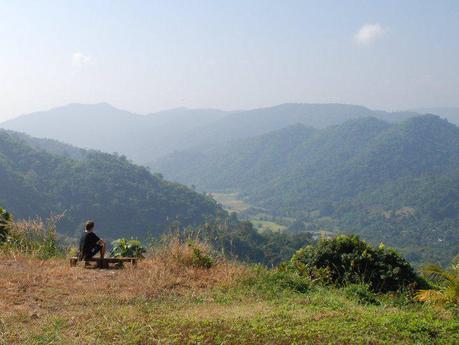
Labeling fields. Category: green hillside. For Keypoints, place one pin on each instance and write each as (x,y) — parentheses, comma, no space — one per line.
(123,199)
(393,182)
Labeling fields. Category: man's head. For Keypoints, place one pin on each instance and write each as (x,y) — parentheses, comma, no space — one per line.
(89,225)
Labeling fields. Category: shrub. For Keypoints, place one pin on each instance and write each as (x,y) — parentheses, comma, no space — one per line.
(348,260)
(5,217)
(200,258)
(127,248)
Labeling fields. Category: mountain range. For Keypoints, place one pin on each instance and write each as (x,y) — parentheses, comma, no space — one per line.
(392,182)
(145,138)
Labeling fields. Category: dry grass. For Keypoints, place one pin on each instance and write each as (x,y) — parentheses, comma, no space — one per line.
(32,289)
(34,237)
(32,284)
(175,251)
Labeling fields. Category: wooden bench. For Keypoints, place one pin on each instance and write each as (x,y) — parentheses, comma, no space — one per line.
(105,262)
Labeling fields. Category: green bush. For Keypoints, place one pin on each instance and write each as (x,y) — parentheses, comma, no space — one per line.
(362,294)
(127,248)
(5,217)
(348,260)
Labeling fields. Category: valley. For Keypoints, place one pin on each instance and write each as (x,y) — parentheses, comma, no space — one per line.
(353,174)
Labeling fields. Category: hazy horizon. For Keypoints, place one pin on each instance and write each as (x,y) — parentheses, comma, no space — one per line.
(146,57)
(204,108)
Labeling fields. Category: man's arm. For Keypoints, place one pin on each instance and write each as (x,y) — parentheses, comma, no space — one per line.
(98,240)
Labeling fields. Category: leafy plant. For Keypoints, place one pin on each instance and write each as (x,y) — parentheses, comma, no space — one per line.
(348,260)
(127,248)
(446,282)
(200,258)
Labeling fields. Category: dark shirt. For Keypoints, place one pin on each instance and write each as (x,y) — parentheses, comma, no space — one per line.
(88,245)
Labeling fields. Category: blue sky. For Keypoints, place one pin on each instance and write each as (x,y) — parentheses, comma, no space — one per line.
(146,56)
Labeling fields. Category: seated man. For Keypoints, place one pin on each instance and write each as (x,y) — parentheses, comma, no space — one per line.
(90,243)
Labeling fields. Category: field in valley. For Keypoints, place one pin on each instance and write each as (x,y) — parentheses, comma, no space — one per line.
(231,202)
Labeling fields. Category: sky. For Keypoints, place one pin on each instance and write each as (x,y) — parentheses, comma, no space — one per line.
(146,56)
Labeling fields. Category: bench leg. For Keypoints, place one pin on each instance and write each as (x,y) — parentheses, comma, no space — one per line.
(101,263)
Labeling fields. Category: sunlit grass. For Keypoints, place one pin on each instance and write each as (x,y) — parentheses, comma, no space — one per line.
(264,225)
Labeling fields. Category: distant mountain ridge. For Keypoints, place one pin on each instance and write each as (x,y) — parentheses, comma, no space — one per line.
(450,113)
(145,138)
(105,128)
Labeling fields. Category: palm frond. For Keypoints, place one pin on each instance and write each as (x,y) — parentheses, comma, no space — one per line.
(447,280)
(430,296)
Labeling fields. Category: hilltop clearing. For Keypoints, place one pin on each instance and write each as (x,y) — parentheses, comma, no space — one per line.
(45,302)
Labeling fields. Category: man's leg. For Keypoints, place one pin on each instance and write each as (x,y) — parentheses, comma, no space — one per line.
(102,250)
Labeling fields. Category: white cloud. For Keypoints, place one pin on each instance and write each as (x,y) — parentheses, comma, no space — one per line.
(368,33)
(79,59)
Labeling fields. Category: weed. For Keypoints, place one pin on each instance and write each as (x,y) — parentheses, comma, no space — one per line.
(33,237)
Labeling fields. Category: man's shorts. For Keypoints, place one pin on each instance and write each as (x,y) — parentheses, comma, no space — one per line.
(93,251)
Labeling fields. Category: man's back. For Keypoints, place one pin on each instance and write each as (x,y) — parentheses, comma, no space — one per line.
(88,244)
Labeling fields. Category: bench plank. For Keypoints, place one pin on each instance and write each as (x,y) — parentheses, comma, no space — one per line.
(105,261)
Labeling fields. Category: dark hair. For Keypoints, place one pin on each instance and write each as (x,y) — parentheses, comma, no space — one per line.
(89,225)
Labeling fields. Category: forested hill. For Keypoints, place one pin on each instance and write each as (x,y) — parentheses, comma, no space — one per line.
(124,199)
(394,182)
(301,164)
